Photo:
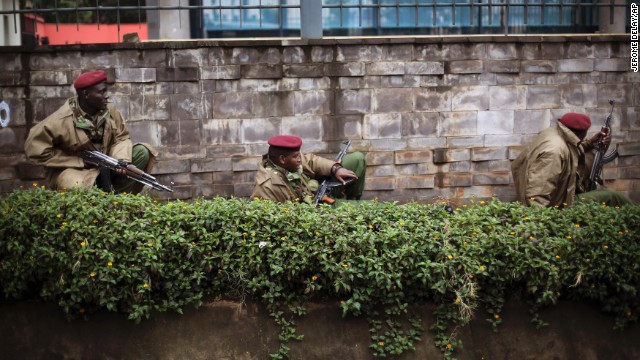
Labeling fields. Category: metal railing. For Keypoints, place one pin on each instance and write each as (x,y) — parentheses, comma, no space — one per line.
(362,17)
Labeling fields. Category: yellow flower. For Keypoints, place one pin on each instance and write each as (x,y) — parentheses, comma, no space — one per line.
(606,247)
(577,226)
(564,204)
(512,233)
(58,216)
(481,202)
(557,256)
(115,203)
(531,238)
(449,346)
(482,267)
(149,244)
(458,300)
(314,278)
(532,198)
(35,184)
(569,237)
(109,264)
(496,316)
(317,233)
(95,221)
(92,274)
(145,286)
(345,266)
(341,302)
(155,221)
(587,260)
(526,218)
(370,226)
(620,233)
(83,243)
(450,257)
(283,238)
(402,223)
(381,344)
(253,234)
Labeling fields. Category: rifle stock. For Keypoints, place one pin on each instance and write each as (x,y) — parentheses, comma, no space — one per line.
(101,160)
(328,184)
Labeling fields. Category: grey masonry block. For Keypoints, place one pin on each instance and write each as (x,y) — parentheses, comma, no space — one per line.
(344,69)
(484,154)
(425,142)
(416,182)
(458,123)
(380,158)
(323,83)
(275,103)
(543,97)
(102,59)
(143,58)
(424,67)
(444,155)
(501,51)
(611,65)
(156,88)
(293,55)
(470,98)
(453,180)
(303,70)
(380,170)
(221,131)
(177,74)
(398,52)
(189,57)
(392,100)
(190,132)
(261,71)
(380,183)
(429,52)
(579,50)
(245,55)
(353,101)
(322,54)
(233,105)
(259,130)
(56,61)
(408,81)
(572,95)
(465,51)
(312,102)
(360,53)
(209,165)
(349,83)
(385,68)
(246,163)
(502,66)
(136,75)
(147,107)
(575,65)
(412,157)
(495,122)
(145,131)
(11,62)
(491,179)
(543,50)
(382,126)
(309,128)
(172,166)
(257,85)
(531,121)
(502,140)
(507,97)
(422,124)
(540,66)
(503,165)
(464,67)
(437,98)
(219,56)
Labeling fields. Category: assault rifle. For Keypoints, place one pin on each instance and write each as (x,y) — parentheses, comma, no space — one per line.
(595,176)
(329,184)
(103,161)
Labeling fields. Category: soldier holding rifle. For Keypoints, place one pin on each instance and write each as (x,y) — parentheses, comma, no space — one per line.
(554,168)
(88,122)
(285,174)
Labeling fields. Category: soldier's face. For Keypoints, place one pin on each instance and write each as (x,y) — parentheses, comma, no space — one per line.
(291,162)
(96,96)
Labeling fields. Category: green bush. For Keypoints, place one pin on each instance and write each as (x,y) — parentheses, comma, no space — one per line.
(90,251)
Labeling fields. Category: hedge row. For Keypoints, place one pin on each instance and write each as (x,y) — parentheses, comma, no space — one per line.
(91,251)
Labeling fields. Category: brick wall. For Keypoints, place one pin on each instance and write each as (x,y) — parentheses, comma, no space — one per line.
(437,117)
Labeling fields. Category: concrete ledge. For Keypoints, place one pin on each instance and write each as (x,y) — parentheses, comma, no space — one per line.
(228,330)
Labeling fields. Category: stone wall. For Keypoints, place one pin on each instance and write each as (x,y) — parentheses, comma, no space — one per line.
(438,117)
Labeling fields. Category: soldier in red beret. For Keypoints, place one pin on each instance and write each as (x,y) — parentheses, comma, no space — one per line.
(285,174)
(88,121)
(554,167)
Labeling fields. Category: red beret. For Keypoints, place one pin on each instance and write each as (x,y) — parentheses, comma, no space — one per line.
(576,121)
(89,79)
(286,141)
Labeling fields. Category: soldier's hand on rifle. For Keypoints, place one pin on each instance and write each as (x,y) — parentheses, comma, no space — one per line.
(342,173)
(602,137)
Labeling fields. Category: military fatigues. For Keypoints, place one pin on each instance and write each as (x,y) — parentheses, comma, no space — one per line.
(553,169)
(57,141)
(277,184)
